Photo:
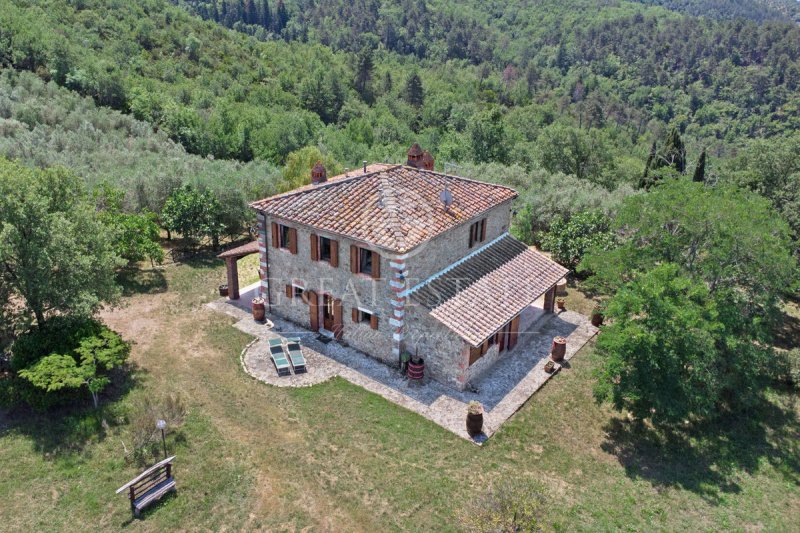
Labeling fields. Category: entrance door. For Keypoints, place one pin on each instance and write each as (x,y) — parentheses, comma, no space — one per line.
(327,312)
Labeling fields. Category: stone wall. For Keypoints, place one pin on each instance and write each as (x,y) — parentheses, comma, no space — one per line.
(355,290)
(443,250)
(400,323)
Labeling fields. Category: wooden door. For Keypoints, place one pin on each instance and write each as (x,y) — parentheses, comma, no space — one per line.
(327,312)
(514,334)
(313,306)
(338,325)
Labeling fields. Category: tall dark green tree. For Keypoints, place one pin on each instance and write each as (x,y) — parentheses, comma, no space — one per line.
(414,92)
(700,169)
(265,14)
(250,12)
(281,17)
(364,66)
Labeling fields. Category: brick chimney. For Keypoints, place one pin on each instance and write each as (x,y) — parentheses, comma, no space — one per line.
(427,160)
(414,156)
(318,174)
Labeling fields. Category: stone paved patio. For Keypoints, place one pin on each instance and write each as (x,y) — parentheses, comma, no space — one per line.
(502,390)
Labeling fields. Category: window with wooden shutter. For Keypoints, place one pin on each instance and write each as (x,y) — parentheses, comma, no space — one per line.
(334,253)
(314,247)
(293,240)
(373,321)
(289,291)
(477,232)
(376,265)
(276,242)
(361,316)
(354,259)
(355,314)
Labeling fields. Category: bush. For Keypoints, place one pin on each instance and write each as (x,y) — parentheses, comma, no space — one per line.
(51,365)
(512,505)
(569,240)
(145,437)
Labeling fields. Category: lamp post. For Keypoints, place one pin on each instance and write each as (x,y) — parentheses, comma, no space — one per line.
(162,425)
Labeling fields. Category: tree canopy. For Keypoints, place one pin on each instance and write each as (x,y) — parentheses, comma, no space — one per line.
(55,252)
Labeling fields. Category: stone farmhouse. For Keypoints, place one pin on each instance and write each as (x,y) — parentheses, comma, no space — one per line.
(399,258)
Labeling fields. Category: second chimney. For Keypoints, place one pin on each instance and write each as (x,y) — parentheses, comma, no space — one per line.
(414,156)
(318,174)
(427,160)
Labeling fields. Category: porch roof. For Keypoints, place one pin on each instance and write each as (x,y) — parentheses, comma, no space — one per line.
(478,296)
(240,251)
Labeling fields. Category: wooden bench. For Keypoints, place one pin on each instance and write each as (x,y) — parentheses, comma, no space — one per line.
(150,485)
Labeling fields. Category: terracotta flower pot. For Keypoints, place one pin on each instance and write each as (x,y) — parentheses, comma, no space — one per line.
(549,367)
(597,319)
(474,424)
(223,290)
(259,310)
(562,304)
(559,349)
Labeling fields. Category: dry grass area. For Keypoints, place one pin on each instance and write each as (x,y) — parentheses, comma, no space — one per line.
(334,457)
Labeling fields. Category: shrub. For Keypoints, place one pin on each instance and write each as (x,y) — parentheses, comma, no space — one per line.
(145,437)
(512,505)
(569,240)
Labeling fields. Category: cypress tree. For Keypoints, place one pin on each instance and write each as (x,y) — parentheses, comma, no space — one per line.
(364,66)
(266,15)
(674,153)
(250,13)
(700,169)
(644,183)
(281,17)
(414,92)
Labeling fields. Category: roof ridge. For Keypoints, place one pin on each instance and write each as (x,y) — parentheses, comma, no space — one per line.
(386,191)
(336,180)
(461,178)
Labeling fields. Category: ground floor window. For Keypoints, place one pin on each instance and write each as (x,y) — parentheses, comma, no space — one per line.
(362,316)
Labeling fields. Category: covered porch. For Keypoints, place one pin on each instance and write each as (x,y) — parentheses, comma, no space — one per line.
(231,258)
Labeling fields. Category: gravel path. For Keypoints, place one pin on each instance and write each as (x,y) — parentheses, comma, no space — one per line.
(502,390)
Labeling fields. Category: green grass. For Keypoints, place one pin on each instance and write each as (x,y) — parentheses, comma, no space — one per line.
(335,457)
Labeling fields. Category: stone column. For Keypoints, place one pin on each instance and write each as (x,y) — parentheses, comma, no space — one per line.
(262,259)
(398,284)
(233,277)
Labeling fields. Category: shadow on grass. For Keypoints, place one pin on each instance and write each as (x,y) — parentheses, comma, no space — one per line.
(66,431)
(707,460)
(142,281)
(787,335)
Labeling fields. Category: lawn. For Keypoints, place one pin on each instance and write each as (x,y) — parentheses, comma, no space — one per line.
(334,457)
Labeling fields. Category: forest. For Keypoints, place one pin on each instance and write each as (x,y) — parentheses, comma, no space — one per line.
(526,90)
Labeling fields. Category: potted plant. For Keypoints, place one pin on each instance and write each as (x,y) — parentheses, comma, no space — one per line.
(259,309)
(223,290)
(474,418)
(549,366)
(561,303)
(597,315)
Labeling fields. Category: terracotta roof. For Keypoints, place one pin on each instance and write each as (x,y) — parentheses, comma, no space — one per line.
(240,251)
(480,295)
(390,206)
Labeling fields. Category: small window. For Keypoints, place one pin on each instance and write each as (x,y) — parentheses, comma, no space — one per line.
(477,232)
(285,236)
(361,316)
(325,249)
(365,261)
(298,292)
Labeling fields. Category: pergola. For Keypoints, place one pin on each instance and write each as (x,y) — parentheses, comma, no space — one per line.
(231,257)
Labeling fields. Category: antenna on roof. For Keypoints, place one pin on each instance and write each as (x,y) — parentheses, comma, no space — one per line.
(446,196)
